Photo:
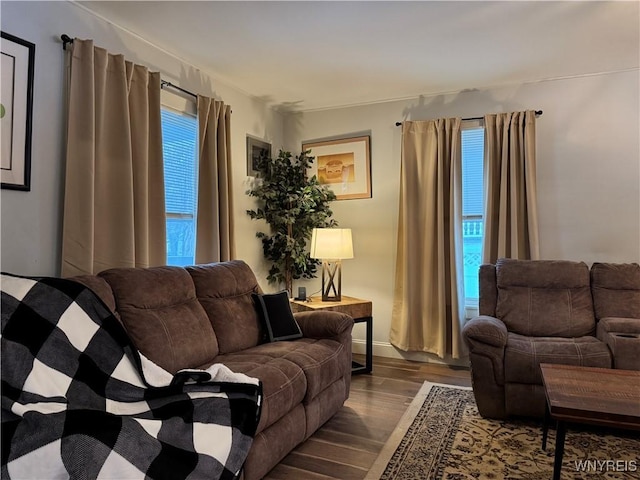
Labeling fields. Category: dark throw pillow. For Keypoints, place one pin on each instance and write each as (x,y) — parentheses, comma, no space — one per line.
(275,312)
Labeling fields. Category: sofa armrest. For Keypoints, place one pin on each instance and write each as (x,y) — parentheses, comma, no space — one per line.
(324,324)
(485,329)
(622,336)
(618,325)
(101,288)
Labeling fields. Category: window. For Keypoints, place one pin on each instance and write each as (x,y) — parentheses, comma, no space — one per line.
(472,208)
(179,148)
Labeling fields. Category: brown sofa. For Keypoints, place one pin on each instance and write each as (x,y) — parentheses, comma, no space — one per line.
(545,311)
(616,300)
(196,316)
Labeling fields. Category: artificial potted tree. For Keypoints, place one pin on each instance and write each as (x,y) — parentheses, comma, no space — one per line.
(292,204)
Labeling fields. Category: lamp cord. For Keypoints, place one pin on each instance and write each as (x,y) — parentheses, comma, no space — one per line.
(308,299)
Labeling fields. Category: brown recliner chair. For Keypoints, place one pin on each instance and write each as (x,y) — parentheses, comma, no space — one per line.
(531,312)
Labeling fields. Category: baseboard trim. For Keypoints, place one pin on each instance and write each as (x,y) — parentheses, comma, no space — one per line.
(385,349)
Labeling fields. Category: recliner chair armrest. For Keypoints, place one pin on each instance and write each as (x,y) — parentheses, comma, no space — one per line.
(486,339)
(324,324)
(486,329)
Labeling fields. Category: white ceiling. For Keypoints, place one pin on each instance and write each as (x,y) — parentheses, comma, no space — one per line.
(312,55)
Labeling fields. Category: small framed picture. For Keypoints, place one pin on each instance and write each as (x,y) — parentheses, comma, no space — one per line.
(255,149)
(16,106)
(344,165)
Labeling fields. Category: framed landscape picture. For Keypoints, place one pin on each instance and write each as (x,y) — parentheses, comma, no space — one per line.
(255,149)
(16,105)
(344,165)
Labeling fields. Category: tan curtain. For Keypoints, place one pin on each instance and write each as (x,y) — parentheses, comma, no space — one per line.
(114,187)
(429,301)
(214,238)
(511,215)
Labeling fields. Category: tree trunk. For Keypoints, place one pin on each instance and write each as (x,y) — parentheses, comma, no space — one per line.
(288,276)
(289,283)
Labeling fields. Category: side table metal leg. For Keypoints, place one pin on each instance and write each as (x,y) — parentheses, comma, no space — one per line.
(369,359)
(545,427)
(557,463)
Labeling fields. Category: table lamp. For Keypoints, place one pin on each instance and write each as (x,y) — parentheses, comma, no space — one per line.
(331,245)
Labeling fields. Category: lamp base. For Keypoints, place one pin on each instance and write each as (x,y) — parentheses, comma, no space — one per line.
(331,274)
(327,298)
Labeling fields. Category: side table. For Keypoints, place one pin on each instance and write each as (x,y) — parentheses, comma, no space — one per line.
(361,312)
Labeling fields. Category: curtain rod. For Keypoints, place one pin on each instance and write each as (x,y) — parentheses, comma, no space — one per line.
(164,83)
(66,39)
(538,113)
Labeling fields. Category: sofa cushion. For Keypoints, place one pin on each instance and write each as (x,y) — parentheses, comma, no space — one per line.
(283,382)
(224,289)
(161,314)
(277,318)
(545,298)
(323,361)
(523,355)
(616,289)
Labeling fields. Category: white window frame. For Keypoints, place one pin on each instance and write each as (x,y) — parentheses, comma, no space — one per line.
(184,106)
(471,305)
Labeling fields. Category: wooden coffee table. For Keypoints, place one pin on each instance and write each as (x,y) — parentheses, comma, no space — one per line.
(585,395)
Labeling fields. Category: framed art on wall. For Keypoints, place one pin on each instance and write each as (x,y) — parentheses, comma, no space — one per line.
(255,149)
(344,165)
(16,105)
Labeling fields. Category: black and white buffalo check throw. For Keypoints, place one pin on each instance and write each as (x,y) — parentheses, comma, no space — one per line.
(79,401)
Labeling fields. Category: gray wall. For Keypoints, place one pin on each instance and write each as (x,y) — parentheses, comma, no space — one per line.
(31,222)
(588,175)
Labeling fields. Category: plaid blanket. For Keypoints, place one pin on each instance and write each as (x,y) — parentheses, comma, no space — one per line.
(79,401)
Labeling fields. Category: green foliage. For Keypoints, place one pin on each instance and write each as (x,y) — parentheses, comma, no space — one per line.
(293,205)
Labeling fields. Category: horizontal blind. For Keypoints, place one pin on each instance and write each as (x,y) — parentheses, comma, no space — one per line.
(179,134)
(179,144)
(472,171)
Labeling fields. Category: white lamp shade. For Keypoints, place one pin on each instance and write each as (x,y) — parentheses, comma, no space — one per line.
(331,243)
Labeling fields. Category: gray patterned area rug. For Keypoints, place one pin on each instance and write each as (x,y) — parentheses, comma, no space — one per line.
(442,436)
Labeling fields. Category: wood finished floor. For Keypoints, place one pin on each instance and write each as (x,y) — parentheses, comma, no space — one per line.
(347,445)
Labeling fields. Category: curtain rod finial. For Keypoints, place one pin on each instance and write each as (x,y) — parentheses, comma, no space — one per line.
(65,39)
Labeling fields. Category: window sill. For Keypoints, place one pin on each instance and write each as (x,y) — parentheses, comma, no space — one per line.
(470,310)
